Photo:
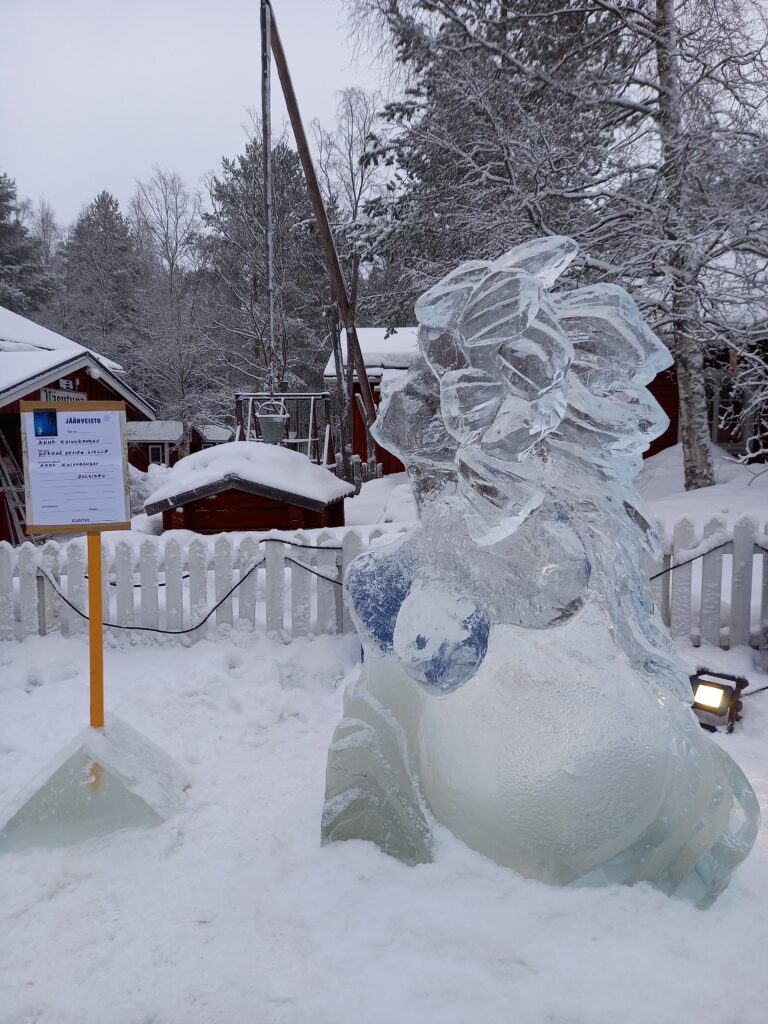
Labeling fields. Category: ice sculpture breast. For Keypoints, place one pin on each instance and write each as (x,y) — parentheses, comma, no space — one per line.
(517,687)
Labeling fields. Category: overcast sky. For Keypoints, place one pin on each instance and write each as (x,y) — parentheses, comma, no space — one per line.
(93,93)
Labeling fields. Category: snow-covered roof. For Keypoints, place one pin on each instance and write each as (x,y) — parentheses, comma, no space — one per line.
(383,348)
(18,335)
(212,433)
(251,466)
(155,432)
(31,356)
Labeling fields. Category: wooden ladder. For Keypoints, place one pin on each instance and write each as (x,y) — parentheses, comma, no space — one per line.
(12,483)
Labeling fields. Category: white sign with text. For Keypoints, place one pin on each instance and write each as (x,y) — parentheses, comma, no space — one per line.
(75,467)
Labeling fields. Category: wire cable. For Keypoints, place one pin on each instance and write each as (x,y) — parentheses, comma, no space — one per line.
(156,629)
(220,602)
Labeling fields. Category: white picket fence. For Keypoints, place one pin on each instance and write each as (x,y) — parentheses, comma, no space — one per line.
(166,586)
(717,591)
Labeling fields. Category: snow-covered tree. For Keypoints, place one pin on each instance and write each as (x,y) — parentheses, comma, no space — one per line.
(24,280)
(179,366)
(235,255)
(636,126)
(100,278)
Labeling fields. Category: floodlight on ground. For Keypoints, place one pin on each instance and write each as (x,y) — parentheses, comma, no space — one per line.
(717,698)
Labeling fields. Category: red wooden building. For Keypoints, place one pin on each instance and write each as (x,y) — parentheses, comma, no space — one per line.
(39,365)
(160,442)
(386,353)
(249,485)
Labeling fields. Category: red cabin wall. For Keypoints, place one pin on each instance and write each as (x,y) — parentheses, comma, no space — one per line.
(664,390)
(5,520)
(389,462)
(96,390)
(138,455)
(234,510)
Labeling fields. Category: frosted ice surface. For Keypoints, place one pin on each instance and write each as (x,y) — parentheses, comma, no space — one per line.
(80,801)
(105,780)
(517,685)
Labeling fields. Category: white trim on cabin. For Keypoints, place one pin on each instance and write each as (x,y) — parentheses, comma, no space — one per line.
(80,360)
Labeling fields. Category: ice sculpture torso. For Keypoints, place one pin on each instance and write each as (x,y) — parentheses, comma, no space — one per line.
(517,687)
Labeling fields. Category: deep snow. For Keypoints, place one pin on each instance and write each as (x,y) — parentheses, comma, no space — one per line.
(232,913)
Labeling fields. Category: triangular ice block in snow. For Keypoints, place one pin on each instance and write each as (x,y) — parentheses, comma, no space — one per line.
(104,781)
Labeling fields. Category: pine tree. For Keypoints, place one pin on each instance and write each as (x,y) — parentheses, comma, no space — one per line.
(24,281)
(101,273)
(235,251)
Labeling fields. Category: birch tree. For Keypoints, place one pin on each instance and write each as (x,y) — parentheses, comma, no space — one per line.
(637,126)
(181,369)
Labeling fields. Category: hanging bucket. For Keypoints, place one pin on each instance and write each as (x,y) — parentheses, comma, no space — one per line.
(272,419)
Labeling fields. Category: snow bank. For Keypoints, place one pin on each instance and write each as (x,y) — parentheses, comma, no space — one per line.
(740,491)
(256,463)
(232,913)
(386,500)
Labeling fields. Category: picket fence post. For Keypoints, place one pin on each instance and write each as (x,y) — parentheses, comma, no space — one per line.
(741,582)
(124,597)
(148,578)
(49,609)
(248,555)
(680,599)
(7,616)
(301,592)
(711,587)
(27,569)
(198,587)
(222,577)
(75,562)
(275,586)
(352,545)
(174,586)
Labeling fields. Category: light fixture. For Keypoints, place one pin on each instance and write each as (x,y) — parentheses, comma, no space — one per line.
(717,698)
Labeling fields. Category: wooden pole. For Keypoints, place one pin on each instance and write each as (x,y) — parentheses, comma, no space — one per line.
(266,142)
(321,216)
(95,630)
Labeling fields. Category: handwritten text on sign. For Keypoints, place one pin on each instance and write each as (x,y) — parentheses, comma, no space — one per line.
(76,468)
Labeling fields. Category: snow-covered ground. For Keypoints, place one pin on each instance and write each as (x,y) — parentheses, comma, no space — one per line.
(232,913)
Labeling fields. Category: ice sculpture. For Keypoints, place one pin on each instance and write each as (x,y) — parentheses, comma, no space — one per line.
(517,688)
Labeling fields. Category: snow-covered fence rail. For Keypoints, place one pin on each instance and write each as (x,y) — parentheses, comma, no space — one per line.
(284,585)
(712,587)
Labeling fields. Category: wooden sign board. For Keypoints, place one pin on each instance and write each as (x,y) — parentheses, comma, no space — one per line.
(75,466)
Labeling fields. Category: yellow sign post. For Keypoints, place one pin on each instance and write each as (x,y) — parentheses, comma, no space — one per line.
(110,777)
(75,481)
(95,630)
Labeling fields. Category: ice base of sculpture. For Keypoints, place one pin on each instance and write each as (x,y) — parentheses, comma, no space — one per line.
(557,761)
(104,781)
(517,688)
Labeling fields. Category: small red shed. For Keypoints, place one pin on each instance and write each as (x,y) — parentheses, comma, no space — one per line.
(248,485)
(154,443)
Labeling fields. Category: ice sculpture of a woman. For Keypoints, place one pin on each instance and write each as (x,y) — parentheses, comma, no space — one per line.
(517,687)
